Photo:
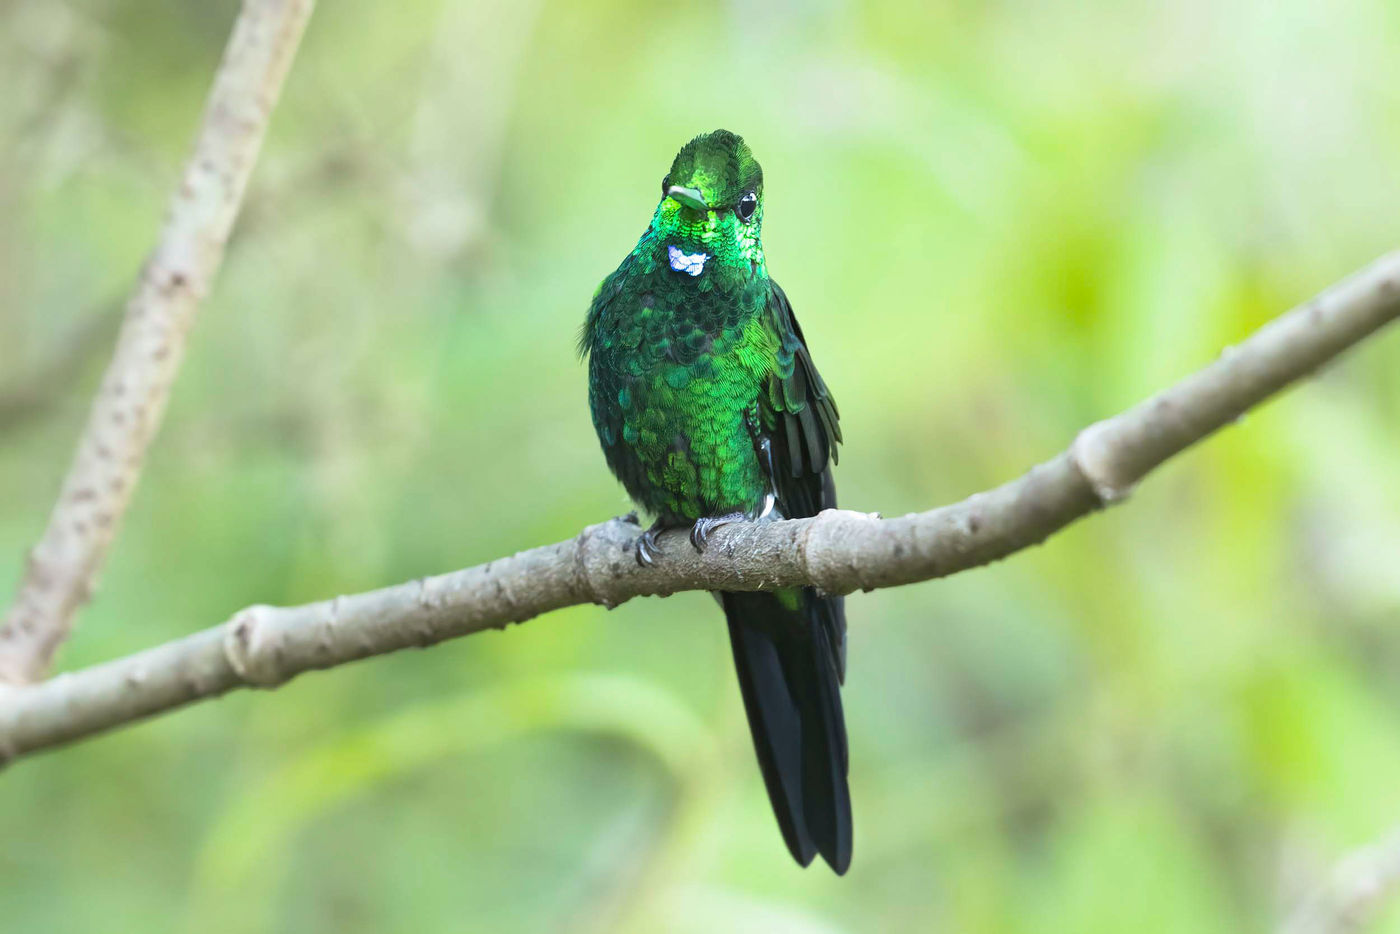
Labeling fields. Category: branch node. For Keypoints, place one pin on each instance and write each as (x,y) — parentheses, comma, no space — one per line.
(831,568)
(1093,455)
(250,653)
(583,561)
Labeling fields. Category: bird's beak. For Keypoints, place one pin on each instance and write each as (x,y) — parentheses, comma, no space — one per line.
(690,197)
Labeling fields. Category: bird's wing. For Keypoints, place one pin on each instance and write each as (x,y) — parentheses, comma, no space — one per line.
(799,417)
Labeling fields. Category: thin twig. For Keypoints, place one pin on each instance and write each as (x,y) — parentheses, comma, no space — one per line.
(837,551)
(63,567)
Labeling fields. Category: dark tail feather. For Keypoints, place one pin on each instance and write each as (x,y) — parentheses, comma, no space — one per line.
(790,675)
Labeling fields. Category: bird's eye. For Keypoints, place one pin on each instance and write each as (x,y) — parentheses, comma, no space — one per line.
(665,185)
(746,206)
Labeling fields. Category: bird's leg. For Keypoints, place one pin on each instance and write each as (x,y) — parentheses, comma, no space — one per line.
(763,447)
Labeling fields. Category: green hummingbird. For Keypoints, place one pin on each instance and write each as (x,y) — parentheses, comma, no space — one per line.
(710,411)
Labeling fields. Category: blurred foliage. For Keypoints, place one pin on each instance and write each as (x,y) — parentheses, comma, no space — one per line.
(998,222)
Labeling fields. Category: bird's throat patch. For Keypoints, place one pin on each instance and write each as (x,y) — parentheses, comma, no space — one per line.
(692,264)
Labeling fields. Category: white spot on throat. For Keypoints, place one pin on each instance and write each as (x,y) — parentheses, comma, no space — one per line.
(692,264)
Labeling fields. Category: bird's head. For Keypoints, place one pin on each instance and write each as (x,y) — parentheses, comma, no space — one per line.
(712,205)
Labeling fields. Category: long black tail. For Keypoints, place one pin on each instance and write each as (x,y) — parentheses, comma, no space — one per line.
(789,650)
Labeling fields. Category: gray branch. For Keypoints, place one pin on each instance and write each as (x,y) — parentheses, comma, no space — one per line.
(837,551)
(64,565)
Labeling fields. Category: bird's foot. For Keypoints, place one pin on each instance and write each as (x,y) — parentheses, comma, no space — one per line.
(646,544)
(700,531)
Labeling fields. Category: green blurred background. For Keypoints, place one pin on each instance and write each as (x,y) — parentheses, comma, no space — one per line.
(998,222)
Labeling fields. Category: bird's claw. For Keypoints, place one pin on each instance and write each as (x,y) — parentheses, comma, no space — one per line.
(704,526)
(646,545)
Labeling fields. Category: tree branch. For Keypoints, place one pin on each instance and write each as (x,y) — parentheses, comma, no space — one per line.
(63,567)
(838,551)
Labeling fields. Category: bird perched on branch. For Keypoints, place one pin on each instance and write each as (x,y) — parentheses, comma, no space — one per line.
(710,411)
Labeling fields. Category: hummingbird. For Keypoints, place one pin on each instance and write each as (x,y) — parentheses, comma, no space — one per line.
(710,411)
